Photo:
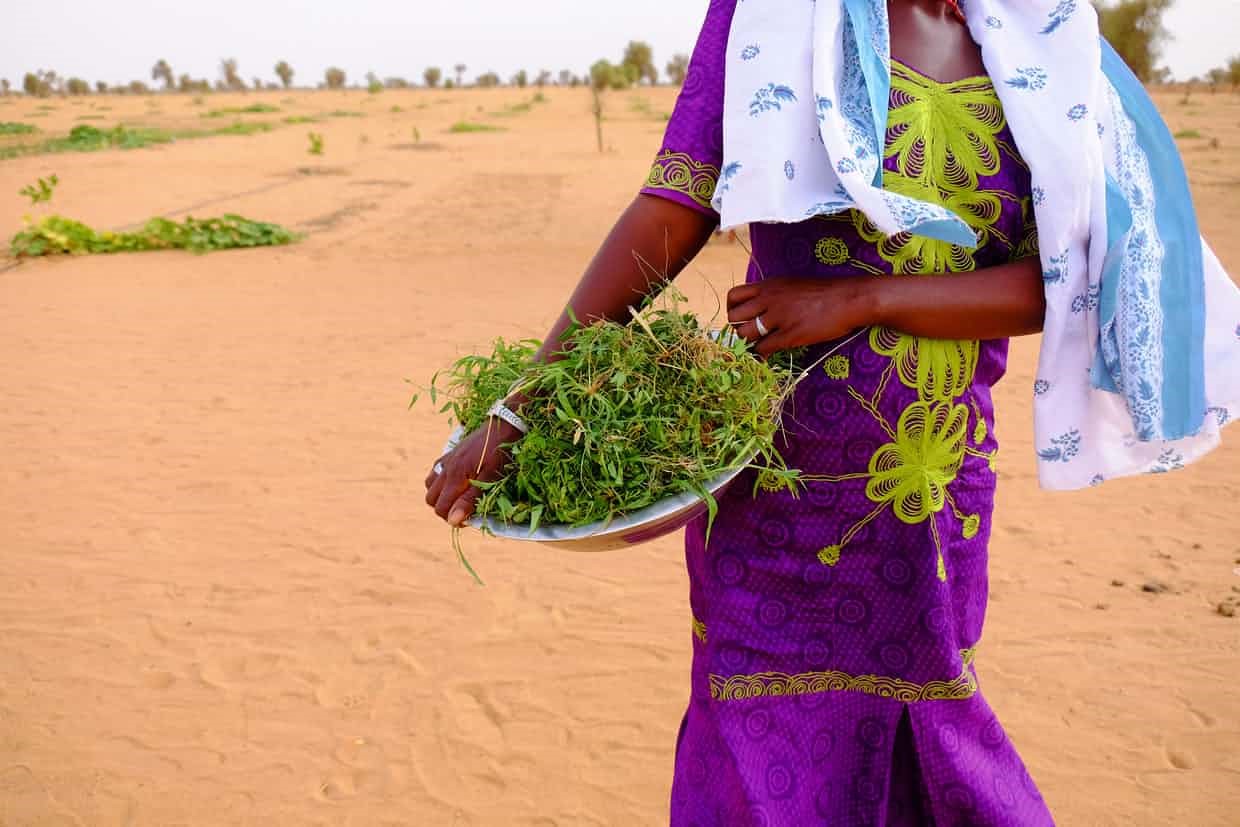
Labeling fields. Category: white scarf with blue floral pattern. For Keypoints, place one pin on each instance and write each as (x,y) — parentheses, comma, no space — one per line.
(1140,360)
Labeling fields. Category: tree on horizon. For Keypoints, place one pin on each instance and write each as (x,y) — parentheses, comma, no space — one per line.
(606,75)
(432,76)
(335,78)
(460,73)
(638,62)
(229,75)
(1136,30)
(163,72)
(677,68)
(40,84)
(285,73)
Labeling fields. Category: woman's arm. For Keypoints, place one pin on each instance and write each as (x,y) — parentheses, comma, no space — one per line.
(654,239)
(651,243)
(992,303)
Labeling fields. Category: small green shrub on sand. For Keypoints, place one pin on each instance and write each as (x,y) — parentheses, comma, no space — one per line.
(464,127)
(57,235)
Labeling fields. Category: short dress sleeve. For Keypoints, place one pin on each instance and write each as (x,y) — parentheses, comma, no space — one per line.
(686,169)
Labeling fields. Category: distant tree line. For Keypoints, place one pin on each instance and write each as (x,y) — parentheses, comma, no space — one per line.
(1137,31)
(636,66)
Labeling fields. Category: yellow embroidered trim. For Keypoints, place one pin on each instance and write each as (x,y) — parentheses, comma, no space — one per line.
(837,367)
(699,630)
(832,250)
(1028,245)
(777,684)
(770,481)
(680,173)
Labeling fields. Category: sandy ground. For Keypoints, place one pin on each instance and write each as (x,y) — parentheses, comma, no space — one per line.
(223,603)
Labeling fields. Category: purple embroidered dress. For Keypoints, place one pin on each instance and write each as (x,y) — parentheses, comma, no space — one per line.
(835,631)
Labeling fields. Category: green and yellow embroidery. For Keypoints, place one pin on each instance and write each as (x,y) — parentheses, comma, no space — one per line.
(1028,245)
(678,172)
(943,134)
(699,630)
(837,367)
(778,684)
(944,138)
(980,431)
(911,473)
(938,369)
(832,251)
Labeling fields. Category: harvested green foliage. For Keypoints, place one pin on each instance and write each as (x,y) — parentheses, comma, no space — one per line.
(1188,134)
(252,109)
(462,127)
(629,416)
(41,190)
(316,143)
(14,128)
(345,113)
(57,235)
(296,119)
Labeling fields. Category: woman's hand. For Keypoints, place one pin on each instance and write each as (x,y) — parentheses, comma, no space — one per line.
(478,456)
(795,312)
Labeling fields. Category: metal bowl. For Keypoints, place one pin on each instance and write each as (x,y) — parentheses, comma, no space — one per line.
(650,523)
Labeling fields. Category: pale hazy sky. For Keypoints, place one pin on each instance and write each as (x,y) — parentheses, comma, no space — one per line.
(119,40)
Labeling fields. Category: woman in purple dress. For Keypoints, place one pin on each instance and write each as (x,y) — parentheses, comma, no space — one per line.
(835,632)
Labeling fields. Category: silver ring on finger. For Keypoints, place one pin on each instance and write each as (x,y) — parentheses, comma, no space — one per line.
(762,331)
(437,468)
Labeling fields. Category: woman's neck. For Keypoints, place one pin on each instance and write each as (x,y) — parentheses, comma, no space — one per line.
(928,35)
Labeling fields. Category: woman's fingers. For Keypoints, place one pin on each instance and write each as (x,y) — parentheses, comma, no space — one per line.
(448,494)
(435,488)
(434,474)
(463,507)
(774,343)
(742,293)
(749,331)
(747,311)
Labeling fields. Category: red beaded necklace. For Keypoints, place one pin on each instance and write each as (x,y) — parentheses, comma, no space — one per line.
(955,4)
